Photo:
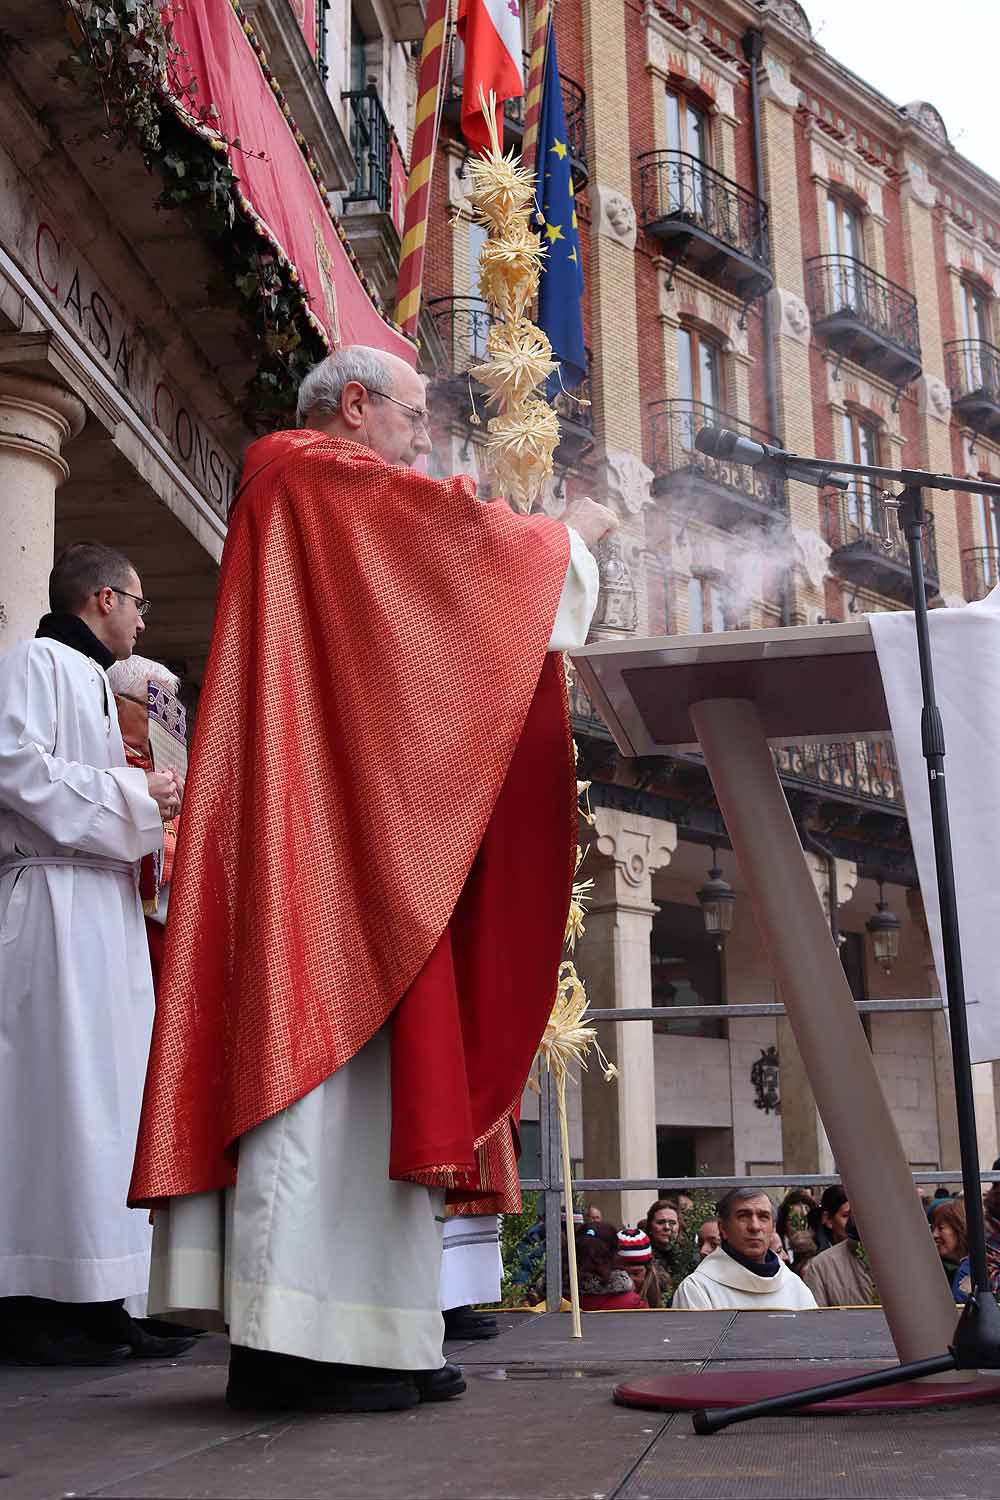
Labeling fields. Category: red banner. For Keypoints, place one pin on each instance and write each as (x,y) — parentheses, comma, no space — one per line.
(305,12)
(279,186)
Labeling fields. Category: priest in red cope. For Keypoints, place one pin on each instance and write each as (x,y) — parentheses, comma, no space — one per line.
(369,899)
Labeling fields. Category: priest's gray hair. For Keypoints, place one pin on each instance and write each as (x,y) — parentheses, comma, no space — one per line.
(128,678)
(726,1206)
(81,570)
(322,389)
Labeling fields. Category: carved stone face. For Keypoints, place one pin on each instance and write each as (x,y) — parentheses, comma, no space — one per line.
(621,216)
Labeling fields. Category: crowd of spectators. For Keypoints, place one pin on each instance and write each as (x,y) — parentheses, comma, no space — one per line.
(803,1252)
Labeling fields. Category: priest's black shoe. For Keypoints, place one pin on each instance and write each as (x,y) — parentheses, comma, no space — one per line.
(37,1343)
(145,1345)
(439,1385)
(109,1323)
(260,1380)
(463,1323)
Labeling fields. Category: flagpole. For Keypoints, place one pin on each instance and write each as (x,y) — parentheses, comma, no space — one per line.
(430,102)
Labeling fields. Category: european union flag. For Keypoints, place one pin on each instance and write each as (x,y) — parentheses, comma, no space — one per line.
(560,314)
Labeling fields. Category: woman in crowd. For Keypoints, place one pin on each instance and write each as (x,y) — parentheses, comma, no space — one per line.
(636,1253)
(828,1221)
(962,1282)
(793,1214)
(605,1284)
(950,1235)
(663,1226)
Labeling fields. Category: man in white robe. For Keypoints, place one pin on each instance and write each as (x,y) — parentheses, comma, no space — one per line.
(317,1323)
(744,1272)
(76,1000)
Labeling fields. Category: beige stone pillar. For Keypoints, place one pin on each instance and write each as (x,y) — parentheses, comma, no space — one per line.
(36,418)
(619,1118)
(790,321)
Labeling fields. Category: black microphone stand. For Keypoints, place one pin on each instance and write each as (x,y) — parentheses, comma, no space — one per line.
(977,1336)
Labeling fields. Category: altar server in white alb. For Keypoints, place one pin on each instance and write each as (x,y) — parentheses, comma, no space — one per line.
(76,997)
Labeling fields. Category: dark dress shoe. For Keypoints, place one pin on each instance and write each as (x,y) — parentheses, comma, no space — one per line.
(38,1343)
(261,1380)
(163,1328)
(145,1345)
(463,1323)
(439,1385)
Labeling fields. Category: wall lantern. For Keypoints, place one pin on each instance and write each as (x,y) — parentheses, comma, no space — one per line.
(765,1076)
(717,900)
(884,927)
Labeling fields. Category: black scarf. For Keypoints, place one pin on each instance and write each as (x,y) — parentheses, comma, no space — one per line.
(70,630)
(769,1266)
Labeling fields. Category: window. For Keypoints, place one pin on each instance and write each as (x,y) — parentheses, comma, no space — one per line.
(686,969)
(359,65)
(706,605)
(699,382)
(479,318)
(687,135)
(979,363)
(989,526)
(861,447)
(845,238)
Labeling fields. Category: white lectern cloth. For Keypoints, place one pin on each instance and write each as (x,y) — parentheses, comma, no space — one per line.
(965,653)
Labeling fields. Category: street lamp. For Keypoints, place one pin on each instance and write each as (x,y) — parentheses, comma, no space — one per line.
(717,900)
(884,927)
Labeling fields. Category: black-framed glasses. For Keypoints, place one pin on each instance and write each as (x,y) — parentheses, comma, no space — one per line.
(142,605)
(418,416)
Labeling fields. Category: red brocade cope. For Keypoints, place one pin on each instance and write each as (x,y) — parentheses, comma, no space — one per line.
(380,820)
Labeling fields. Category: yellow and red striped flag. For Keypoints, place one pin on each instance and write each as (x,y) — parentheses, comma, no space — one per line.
(536,71)
(418,193)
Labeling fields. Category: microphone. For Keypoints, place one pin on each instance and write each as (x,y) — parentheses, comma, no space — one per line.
(733,447)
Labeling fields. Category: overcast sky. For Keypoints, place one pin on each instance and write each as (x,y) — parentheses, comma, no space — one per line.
(948,54)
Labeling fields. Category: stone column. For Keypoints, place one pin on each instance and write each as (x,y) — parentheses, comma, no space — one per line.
(619,1118)
(944,1075)
(36,418)
(804,1146)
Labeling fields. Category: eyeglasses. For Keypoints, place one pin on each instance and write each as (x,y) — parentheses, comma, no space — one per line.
(418,417)
(142,606)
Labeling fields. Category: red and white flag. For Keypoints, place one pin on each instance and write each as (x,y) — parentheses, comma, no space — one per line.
(491,33)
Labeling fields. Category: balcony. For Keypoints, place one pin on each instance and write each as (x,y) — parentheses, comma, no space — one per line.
(860,771)
(722,492)
(973,370)
(576,422)
(368,218)
(865,317)
(574,107)
(980,571)
(702,219)
(870,550)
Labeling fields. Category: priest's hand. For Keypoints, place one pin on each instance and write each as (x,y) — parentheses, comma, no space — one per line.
(590,520)
(167,790)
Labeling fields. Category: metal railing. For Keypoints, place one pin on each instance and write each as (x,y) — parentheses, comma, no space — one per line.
(370,141)
(550,1182)
(463,324)
(575,403)
(675,185)
(839,286)
(574,101)
(675,423)
(863,770)
(973,370)
(859,524)
(980,570)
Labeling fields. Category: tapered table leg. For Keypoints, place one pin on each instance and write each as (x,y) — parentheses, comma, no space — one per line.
(915,1295)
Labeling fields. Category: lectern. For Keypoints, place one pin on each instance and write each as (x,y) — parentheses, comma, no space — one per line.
(734,696)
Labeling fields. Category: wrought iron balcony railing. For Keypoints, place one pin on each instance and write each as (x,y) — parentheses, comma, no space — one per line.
(463,324)
(693,478)
(866,315)
(370,143)
(980,571)
(973,370)
(860,770)
(576,421)
(704,218)
(869,548)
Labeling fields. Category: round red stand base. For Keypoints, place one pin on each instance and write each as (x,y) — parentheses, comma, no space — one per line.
(741,1387)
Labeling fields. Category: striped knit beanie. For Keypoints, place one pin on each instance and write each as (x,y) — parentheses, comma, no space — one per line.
(634,1247)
